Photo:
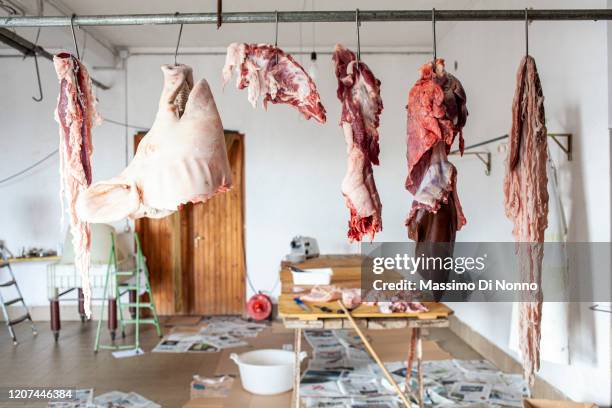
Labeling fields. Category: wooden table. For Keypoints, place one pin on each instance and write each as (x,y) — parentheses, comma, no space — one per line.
(346,274)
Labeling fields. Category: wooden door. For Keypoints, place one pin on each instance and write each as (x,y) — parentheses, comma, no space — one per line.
(217,233)
(196,255)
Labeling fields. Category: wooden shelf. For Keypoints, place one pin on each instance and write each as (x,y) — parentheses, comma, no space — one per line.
(34,259)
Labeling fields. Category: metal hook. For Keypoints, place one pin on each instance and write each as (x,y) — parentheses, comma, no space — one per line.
(276,33)
(526,33)
(178,41)
(357,24)
(433,31)
(76,46)
(40,91)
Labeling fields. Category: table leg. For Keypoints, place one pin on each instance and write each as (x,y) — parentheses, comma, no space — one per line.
(81,298)
(297,349)
(55,317)
(419,356)
(112,318)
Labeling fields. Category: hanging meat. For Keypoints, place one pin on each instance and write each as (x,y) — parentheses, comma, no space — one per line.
(267,71)
(359,93)
(181,159)
(76,114)
(526,201)
(436,115)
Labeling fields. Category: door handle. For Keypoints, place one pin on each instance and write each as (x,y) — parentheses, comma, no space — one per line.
(197,239)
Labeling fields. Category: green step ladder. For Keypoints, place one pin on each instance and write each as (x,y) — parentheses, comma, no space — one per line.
(121,284)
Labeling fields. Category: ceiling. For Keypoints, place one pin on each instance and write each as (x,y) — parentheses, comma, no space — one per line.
(400,34)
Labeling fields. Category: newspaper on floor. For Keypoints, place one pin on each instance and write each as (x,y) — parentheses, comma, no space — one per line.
(83,398)
(382,402)
(224,341)
(118,399)
(217,333)
(234,326)
(172,346)
(341,371)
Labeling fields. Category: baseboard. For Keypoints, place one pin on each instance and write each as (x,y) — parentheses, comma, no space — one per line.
(500,358)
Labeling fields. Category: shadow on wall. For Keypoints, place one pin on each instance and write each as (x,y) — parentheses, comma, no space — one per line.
(583,348)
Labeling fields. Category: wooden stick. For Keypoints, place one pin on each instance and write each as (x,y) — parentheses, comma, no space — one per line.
(419,353)
(375,356)
(297,349)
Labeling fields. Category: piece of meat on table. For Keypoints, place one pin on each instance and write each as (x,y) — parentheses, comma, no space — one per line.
(322,294)
(359,93)
(76,114)
(268,71)
(436,115)
(526,203)
(181,159)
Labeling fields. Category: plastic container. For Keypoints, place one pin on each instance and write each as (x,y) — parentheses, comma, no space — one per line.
(268,371)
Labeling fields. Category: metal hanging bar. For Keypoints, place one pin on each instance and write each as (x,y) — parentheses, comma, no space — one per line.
(307,17)
(28,48)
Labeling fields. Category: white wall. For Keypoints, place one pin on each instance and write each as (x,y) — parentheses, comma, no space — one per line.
(572,62)
(294,167)
(29,205)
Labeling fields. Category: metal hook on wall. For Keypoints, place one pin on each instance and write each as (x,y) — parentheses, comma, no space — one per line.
(526,33)
(433,32)
(178,41)
(76,46)
(357,24)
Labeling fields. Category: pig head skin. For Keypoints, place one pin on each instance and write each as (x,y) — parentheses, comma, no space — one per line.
(181,159)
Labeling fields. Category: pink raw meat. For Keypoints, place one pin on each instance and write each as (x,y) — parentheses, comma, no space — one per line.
(181,159)
(76,114)
(436,115)
(359,93)
(526,200)
(322,294)
(266,70)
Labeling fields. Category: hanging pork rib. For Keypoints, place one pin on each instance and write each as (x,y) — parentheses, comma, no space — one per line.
(267,71)
(359,93)
(181,159)
(76,114)
(436,115)
(526,199)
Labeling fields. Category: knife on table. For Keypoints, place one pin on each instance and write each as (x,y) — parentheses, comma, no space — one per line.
(301,304)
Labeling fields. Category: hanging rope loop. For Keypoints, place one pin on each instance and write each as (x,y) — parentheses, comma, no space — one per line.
(178,41)
(76,46)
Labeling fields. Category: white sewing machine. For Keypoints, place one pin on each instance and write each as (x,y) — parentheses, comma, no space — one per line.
(302,248)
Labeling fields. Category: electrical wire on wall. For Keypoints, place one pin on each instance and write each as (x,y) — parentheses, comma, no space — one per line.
(54,152)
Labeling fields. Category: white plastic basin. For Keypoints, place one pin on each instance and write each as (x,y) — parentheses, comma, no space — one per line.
(267,371)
